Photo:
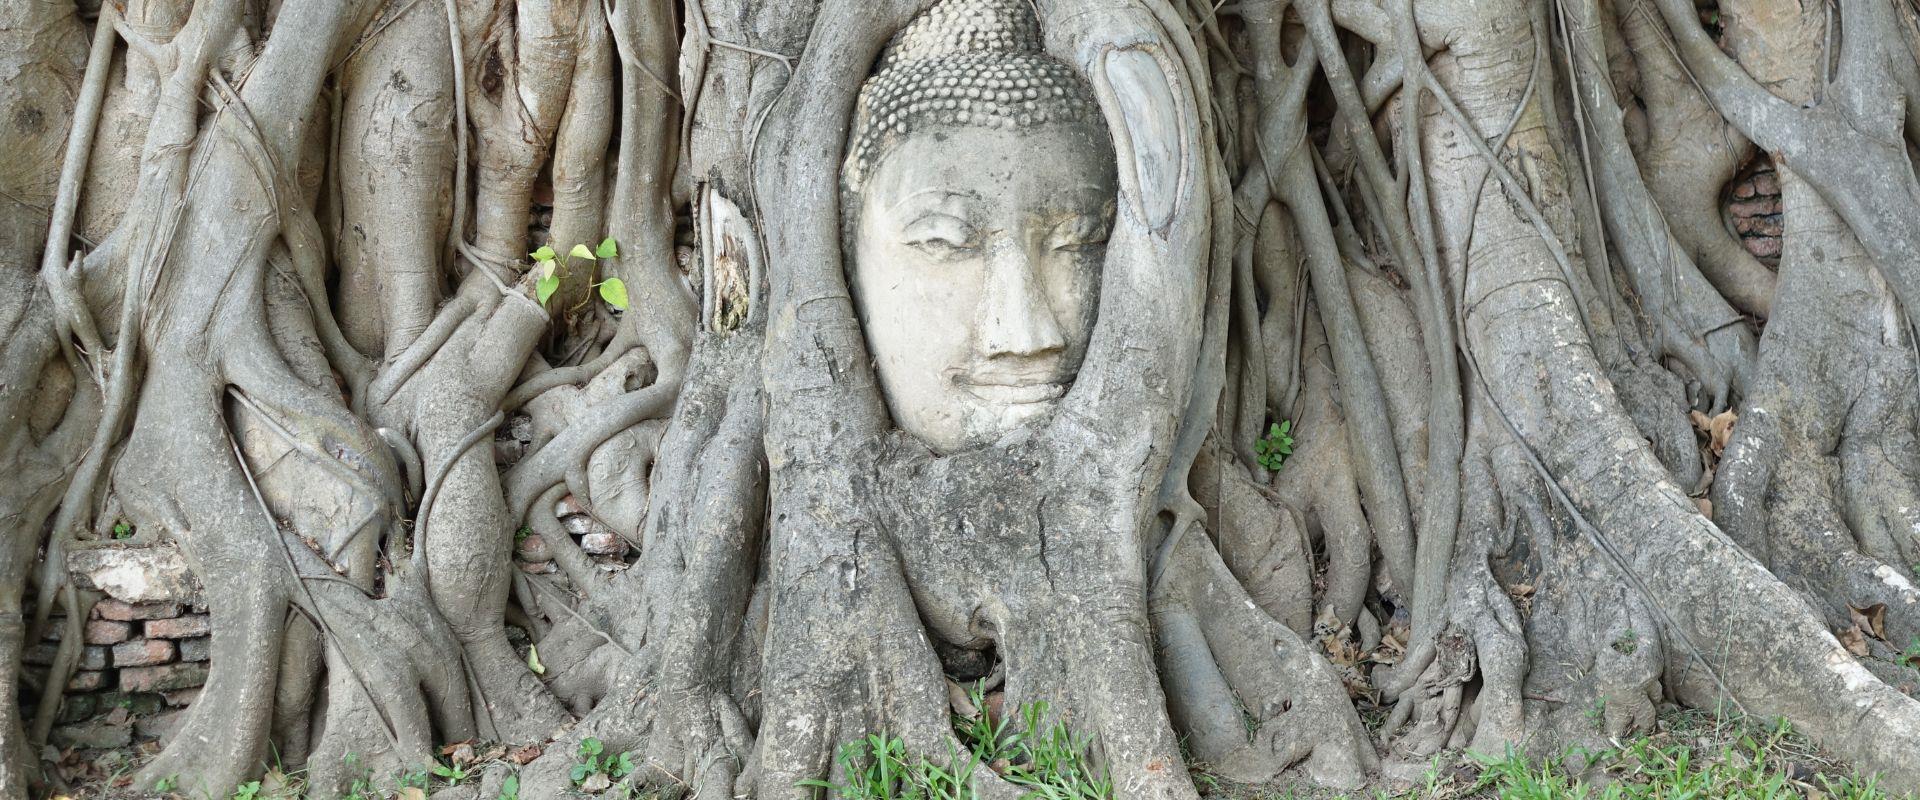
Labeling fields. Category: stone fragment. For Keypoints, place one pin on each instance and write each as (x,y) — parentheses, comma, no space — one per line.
(159,726)
(198,648)
(154,573)
(606,543)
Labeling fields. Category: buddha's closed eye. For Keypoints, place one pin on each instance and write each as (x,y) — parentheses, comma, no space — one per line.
(940,235)
(1082,233)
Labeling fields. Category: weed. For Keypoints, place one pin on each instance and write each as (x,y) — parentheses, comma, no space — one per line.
(1273,448)
(122,530)
(552,268)
(591,764)
(510,788)
(453,774)
(1047,762)
(247,791)
(1627,642)
(419,779)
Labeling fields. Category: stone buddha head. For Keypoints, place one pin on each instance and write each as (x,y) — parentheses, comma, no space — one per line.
(979,189)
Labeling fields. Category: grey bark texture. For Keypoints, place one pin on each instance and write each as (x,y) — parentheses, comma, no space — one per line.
(269,291)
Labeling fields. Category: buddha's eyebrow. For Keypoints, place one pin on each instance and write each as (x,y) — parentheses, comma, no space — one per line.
(943,192)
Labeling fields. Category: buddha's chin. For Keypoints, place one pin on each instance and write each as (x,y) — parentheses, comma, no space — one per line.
(976,423)
(993,419)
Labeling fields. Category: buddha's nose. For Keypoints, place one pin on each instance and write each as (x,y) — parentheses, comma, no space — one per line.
(1017,319)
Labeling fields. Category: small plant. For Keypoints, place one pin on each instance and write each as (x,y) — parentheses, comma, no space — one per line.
(522,534)
(1911,656)
(510,788)
(247,791)
(166,784)
(122,530)
(552,268)
(453,774)
(1273,448)
(591,764)
(1627,643)
(362,786)
(419,779)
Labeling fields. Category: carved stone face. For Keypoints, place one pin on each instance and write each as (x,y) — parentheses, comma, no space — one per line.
(976,272)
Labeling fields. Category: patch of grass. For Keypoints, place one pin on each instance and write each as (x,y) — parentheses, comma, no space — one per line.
(1046,761)
(1695,755)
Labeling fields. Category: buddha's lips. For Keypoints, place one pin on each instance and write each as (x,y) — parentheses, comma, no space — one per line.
(1013,389)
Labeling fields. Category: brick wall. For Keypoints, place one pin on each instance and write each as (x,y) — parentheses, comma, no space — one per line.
(145,649)
(1753,204)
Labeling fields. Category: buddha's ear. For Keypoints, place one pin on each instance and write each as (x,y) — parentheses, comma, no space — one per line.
(1150,141)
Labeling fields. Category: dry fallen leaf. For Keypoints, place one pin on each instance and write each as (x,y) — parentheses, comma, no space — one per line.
(1871,619)
(1718,428)
(1854,641)
(1705,506)
(522,755)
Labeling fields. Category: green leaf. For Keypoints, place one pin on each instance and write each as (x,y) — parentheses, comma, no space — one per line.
(580,251)
(544,288)
(607,248)
(614,291)
(545,253)
(1260,447)
(1273,430)
(546,269)
(533,661)
(578,773)
(1286,426)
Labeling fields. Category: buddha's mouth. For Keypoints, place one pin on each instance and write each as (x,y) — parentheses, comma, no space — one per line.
(1013,389)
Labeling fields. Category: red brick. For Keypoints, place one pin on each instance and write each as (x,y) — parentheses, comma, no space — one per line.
(198,648)
(1763,246)
(1743,189)
(106,631)
(1756,207)
(163,678)
(142,653)
(87,681)
(179,627)
(1765,183)
(93,657)
(116,610)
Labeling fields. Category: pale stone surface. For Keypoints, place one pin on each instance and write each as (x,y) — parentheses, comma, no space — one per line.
(145,574)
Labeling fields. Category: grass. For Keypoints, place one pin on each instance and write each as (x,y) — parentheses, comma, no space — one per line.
(1046,761)
(1695,755)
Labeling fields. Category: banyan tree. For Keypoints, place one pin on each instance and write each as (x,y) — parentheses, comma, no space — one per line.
(1201,375)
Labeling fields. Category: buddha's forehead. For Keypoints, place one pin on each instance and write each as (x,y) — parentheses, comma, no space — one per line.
(975,167)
